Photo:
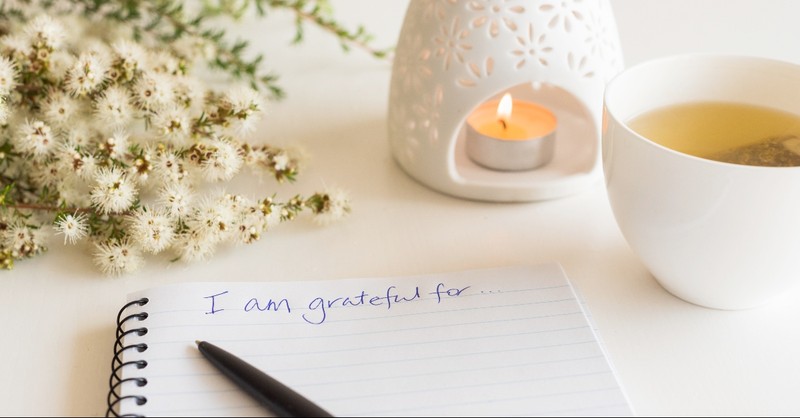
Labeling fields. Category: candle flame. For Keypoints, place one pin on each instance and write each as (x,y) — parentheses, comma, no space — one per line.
(504,109)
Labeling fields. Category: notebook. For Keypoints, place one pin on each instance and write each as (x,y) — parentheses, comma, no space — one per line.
(500,342)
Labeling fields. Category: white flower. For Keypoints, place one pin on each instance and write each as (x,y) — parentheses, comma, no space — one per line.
(113,192)
(153,91)
(86,75)
(336,207)
(163,62)
(141,167)
(193,246)
(190,92)
(223,161)
(281,161)
(60,63)
(113,108)
(116,258)
(45,32)
(35,138)
(213,219)
(73,227)
(8,76)
(79,134)
(253,220)
(15,45)
(193,47)
(175,198)
(131,54)
(46,174)
(168,168)
(234,202)
(99,48)
(60,108)
(22,240)
(151,230)
(117,144)
(247,107)
(3,111)
(172,124)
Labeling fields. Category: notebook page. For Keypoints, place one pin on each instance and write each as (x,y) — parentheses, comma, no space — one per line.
(510,341)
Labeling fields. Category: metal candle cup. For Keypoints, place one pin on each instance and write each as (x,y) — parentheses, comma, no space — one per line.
(521,139)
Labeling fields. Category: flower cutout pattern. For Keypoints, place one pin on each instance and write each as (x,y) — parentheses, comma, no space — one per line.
(413,67)
(403,122)
(600,42)
(533,46)
(451,44)
(476,72)
(565,13)
(580,65)
(428,114)
(496,15)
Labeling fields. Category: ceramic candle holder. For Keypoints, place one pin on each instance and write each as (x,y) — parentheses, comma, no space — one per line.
(452,56)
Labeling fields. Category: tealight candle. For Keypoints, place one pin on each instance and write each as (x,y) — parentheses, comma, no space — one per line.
(511,134)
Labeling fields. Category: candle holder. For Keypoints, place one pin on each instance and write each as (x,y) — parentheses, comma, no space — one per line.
(453,56)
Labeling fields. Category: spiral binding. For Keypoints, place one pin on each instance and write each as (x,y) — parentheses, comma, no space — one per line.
(116,380)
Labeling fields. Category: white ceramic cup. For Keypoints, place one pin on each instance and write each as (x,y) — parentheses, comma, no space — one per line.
(715,234)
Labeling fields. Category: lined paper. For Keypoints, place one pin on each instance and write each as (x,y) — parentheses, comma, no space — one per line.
(509,341)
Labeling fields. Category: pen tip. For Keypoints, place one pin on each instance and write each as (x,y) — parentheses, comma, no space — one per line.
(197,342)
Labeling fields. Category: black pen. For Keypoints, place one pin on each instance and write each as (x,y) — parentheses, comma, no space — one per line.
(269,392)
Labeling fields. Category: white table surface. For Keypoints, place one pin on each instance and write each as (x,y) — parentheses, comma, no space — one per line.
(57,312)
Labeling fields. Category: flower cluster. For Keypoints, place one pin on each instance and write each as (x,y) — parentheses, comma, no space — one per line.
(115,141)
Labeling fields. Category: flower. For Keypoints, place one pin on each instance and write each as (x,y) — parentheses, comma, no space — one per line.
(116,144)
(36,138)
(86,75)
(129,55)
(112,137)
(113,107)
(333,205)
(22,240)
(15,45)
(8,76)
(151,230)
(117,257)
(221,161)
(175,198)
(192,246)
(113,192)
(60,63)
(60,108)
(246,108)
(153,91)
(168,167)
(172,125)
(73,227)
(211,221)
(163,62)
(3,111)
(44,32)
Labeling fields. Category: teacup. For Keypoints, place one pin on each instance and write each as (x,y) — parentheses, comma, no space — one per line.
(715,234)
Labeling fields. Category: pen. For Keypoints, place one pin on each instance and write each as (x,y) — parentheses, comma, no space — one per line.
(269,392)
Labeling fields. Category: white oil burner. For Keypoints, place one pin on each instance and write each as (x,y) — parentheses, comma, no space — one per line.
(457,62)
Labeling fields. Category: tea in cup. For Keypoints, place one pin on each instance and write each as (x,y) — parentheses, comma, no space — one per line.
(701,157)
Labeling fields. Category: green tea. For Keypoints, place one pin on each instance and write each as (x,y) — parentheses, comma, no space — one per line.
(723,131)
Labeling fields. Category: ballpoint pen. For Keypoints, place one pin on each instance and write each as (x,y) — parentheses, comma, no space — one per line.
(269,392)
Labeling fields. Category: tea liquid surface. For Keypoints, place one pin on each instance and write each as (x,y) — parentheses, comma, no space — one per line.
(724,131)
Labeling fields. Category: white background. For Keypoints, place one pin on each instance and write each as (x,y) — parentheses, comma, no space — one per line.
(57,313)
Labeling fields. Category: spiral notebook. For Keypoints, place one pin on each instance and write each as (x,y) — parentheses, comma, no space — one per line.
(500,342)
